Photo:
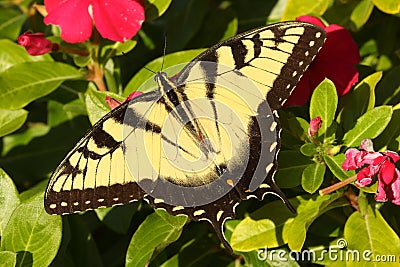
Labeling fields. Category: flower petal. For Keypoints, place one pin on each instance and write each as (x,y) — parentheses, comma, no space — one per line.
(364,177)
(339,46)
(353,159)
(367,145)
(386,172)
(73,18)
(392,155)
(381,193)
(342,74)
(394,192)
(118,20)
(312,20)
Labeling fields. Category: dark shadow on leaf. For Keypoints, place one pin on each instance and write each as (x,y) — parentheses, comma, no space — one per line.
(24,258)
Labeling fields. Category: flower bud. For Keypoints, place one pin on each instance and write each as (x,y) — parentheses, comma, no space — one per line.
(315,125)
(36,43)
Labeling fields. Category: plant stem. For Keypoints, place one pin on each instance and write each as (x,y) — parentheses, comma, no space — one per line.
(336,186)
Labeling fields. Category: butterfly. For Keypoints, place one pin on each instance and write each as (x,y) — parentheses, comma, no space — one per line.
(203,141)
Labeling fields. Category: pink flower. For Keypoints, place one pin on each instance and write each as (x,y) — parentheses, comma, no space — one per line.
(335,61)
(115,20)
(315,125)
(36,43)
(113,103)
(380,165)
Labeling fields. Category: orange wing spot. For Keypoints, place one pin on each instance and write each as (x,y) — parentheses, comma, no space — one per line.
(247,191)
(230,182)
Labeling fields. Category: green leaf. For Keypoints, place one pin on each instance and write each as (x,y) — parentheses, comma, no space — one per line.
(11,120)
(291,166)
(299,127)
(59,113)
(324,103)
(169,60)
(308,211)
(23,138)
(359,100)
(13,54)
(30,163)
(9,199)
(389,88)
(369,125)
(8,258)
(296,8)
(11,21)
(219,24)
(96,104)
(312,177)
(31,232)
(390,137)
(388,6)
(155,8)
(361,13)
(165,229)
(308,149)
(263,228)
(118,218)
(334,164)
(372,237)
(25,82)
(266,257)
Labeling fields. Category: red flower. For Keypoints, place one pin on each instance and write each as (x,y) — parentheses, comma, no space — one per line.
(115,20)
(380,164)
(113,103)
(36,43)
(315,125)
(335,61)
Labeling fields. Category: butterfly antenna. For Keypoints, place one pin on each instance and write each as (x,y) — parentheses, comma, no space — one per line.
(164,52)
(149,70)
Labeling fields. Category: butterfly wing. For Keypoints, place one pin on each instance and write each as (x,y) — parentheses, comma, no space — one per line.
(95,174)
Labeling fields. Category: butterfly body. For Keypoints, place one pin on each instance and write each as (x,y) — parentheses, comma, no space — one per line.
(202,142)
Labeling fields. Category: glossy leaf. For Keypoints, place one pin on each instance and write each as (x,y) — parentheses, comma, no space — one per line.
(23,138)
(263,228)
(143,245)
(31,232)
(324,103)
(312,177)
(369,125)
(334,164)
(361,13)
(11,120)
(389,88)
(12,54)
(359,100)
(296,8)
(390,137)
(169,60)
(295,232)
(8,259)
(9,199)
(96,104)
(370,234)
(308,149)
(25,82)
(291,166)
(155,8)
(388,6)
(11,21)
